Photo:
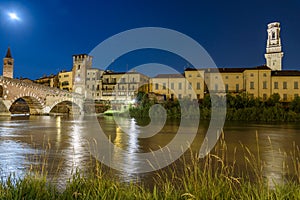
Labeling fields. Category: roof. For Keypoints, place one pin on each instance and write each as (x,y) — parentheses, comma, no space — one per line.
(83,54)
(230,70)
(286,73)
(8,53)
(169,76)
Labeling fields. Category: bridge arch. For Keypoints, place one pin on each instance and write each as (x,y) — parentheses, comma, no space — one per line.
(66,105)
(35,105)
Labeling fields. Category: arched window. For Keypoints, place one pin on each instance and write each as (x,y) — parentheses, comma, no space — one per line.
(273,35)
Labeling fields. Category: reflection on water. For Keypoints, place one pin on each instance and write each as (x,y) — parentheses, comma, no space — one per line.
(21,138)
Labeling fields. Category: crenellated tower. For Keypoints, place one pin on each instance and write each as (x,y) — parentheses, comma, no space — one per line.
(8,65)
(274,52)
(81,63)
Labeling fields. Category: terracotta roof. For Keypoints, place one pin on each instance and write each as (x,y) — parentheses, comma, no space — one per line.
(169,76)
(286,73)
(229,70)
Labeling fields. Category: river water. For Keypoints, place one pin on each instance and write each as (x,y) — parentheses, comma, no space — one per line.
(25,142)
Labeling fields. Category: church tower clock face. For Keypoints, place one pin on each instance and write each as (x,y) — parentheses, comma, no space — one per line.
(78,90)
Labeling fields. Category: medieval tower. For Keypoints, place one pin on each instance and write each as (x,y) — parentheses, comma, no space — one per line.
(81,63)
(274,52)
(8,65)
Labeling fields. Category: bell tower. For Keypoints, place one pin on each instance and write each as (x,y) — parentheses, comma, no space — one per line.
(274,52)
(8,65)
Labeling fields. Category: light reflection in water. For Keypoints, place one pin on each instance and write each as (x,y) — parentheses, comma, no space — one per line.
(16,143)
(129,143)
(58,129)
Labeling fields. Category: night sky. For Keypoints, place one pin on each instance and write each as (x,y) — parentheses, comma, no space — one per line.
(233,32)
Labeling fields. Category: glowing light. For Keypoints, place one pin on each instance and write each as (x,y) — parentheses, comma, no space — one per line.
(14,16)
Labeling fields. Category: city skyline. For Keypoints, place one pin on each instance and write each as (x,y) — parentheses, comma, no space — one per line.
(47,35)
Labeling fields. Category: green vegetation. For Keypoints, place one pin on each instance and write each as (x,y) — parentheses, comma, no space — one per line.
(212,177)
(239,107)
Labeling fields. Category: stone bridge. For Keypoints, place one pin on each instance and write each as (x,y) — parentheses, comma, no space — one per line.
(40,99)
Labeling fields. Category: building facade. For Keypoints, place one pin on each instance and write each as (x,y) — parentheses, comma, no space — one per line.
(94,83)
(65,80)
(123,86)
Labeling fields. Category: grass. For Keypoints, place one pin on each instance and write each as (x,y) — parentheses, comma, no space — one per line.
(212,177)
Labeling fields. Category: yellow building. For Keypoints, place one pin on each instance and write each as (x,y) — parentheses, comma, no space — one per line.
(286,84)
(65,80)
(195,77)
(172,86)
(50,81)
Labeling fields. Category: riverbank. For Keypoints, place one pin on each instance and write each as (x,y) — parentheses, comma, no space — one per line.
(212,177)
(238,108)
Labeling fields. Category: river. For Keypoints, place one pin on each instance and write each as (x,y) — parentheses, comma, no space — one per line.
(25,142)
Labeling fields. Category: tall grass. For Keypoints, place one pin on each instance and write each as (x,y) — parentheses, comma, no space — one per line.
(212,177)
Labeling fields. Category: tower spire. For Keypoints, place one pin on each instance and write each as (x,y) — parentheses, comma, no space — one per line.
(8,53)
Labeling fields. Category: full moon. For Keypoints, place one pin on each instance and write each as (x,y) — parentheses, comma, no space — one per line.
(14,16)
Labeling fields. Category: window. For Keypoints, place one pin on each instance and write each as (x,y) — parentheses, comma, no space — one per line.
(264,97)
(190,86)
(190,75)
(123,80)
(265,85)
(198,86)
(226,77)
(284,85)
(237,87)
(296,85)
(296,96)
(216,87)
(284,97)
(78,68)
(251,74)
(265,75)
(66,75)
(251,85)
(164,86)
(273,35)
(179,96)
(179,86)
(237,77)
(216,77)
(275,85)
(226,87)
(65,83)
(172,86)
(133,88)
